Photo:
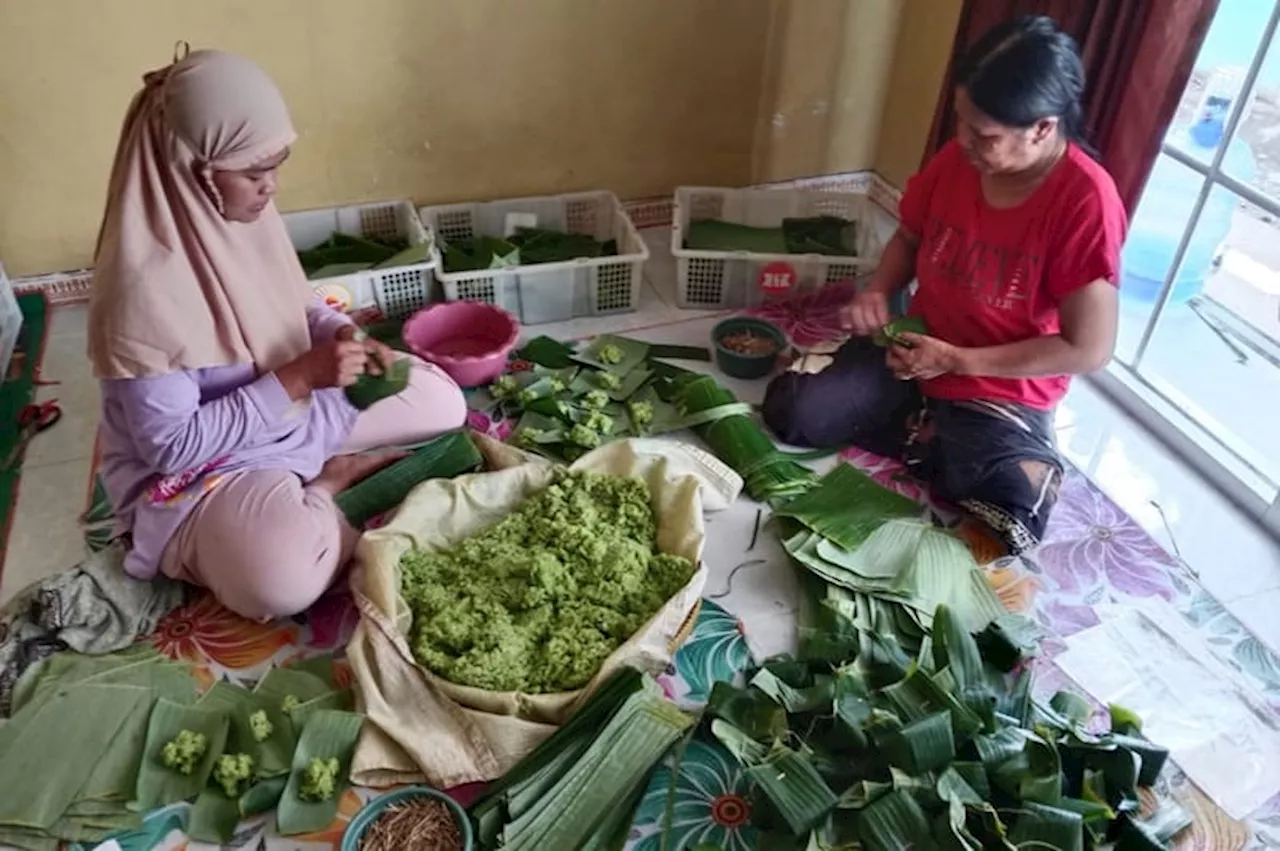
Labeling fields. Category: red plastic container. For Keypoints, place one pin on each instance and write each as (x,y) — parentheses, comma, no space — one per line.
(470,340)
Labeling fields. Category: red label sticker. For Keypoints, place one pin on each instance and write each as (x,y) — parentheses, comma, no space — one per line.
(777,279)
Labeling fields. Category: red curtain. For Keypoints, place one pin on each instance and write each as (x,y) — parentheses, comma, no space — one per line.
(1138,56)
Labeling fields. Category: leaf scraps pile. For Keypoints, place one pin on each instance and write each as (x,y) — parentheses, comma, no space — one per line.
(943,751)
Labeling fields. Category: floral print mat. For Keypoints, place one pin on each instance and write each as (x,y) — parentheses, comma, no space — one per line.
(1093,555)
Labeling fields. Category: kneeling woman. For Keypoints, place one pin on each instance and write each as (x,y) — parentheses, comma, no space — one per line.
(225,432)
(1013,233)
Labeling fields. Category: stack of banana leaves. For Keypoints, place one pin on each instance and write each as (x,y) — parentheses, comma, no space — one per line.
(95,742)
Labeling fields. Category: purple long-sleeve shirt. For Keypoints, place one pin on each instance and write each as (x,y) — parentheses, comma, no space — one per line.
(167,439)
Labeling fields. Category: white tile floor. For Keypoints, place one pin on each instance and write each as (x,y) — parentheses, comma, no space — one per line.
(1237,563)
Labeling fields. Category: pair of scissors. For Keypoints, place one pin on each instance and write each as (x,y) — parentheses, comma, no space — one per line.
(32,420)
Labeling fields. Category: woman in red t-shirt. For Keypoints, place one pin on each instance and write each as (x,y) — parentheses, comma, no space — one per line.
(1013,232)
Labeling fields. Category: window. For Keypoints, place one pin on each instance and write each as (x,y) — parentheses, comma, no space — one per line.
(1198,357)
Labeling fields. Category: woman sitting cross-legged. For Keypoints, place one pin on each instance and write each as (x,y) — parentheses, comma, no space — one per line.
(1013,233)
(225,429)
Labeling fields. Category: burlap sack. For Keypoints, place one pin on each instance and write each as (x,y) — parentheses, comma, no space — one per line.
(422,727)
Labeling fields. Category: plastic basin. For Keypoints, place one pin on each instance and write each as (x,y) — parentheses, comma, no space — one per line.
(470,340)
(369,813)
(739,365)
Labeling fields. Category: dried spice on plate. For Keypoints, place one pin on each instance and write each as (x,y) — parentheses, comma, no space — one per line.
(425,823)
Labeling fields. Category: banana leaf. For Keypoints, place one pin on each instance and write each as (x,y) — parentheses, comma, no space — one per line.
(60,745)
(891,334)
(548,352)
(1040,826)
(329,734)
(893,822)
(262,796)
(794,788)
(214,817)
(846,506)
(633,354)
(159,785)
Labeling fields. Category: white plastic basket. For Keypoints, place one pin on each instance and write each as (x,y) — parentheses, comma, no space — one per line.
(731,279)
(396,291)
(545,292)
(10,322)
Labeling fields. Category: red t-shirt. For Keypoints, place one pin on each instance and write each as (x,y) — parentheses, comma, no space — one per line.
(991,276)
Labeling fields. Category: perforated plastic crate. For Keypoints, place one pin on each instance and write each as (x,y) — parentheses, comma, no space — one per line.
(396,291)
(732,279)
(545,292)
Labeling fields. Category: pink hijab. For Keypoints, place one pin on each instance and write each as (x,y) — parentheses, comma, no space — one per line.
(175,285)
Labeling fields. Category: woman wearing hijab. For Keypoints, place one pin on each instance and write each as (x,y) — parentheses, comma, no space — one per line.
(225,432)
(1013,232)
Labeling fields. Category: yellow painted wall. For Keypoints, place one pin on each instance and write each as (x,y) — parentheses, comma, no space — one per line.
(437,100)
(925,36)
(824,87)
(444,100)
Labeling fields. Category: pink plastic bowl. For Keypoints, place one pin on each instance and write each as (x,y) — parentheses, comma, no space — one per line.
(470,340)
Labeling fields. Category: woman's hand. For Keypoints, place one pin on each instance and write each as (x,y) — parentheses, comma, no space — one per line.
(380,354)
(867,313)
(923,357)
(335,364)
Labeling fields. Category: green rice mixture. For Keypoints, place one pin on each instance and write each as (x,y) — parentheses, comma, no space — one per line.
(537,602)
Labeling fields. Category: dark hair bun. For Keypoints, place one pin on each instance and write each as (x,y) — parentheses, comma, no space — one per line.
(1025,70)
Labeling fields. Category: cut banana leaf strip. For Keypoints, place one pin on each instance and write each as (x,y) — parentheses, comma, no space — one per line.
(140,665)
(1153,756)
(280,684)
(894,822)
(1073,707)
(795,789)
(862,794)
(888,552)
(1009,640)
(745,749)
(590,717)
(1156,830)
(59,748)
(999,748)
(319,666)
(545,351)
(819,695)
(159,785)
(1034,775)
(214,817)
(1040,826)
(955,650)
(263,796)
(846,506)
(693,353)
(329,734)
(617,761)
(927,744)
(750,710)
(633,353)
(238,704)
(28,840)
(343,701)
(1124,721)
(892,333)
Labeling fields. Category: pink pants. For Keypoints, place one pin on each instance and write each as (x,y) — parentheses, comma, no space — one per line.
(267,545)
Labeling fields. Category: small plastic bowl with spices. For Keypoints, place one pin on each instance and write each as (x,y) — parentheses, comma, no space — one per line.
(417,817)
(747,347)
